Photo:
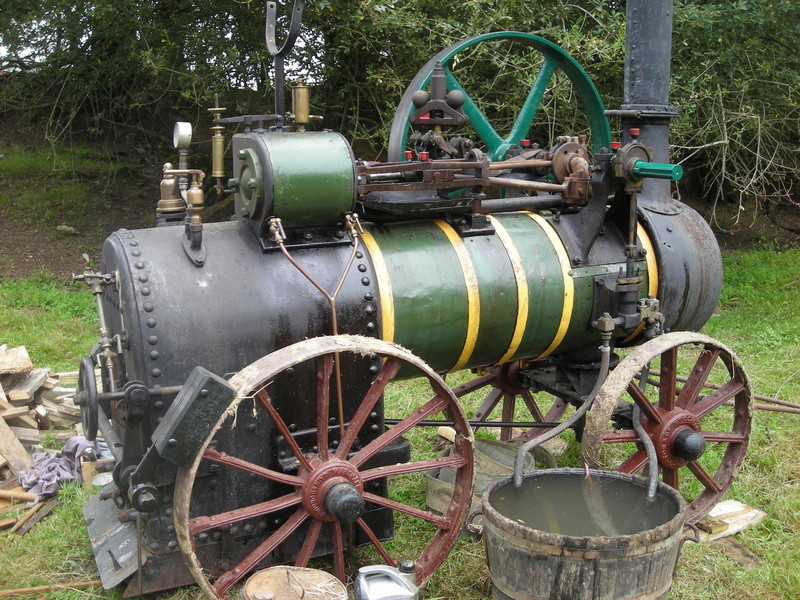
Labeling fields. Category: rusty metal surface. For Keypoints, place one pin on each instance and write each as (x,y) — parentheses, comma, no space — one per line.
(325,468)
(676,410)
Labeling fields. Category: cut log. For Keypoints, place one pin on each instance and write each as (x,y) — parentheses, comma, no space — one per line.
(24,390)
(22,496)
(15,360)
(12,450)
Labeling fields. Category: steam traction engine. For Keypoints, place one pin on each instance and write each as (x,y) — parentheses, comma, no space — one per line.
(245,364)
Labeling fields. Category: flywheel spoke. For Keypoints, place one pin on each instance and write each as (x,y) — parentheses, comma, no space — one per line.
(488,404)
(439,521)
(226,580)
(200,524)
(385,375)
(725,437)
(266,402)
(211,454)
(670,477)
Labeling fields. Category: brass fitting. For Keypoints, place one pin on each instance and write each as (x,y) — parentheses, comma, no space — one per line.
(170,201)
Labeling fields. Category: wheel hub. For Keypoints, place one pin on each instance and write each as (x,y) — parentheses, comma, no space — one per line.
(676,438)
(333,491)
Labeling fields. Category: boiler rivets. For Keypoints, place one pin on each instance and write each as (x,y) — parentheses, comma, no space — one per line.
(151,322)
(148,307)
(152,340)
(362,268)
(365,280)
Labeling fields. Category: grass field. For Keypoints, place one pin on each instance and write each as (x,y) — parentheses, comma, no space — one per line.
(757,317)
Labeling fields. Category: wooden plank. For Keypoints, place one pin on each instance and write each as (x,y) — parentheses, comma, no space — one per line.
(21,521)
(24,390)
(12,450)
(42,417)
(26,435)
(25,421)
(17,495)
(7,523)
(13,412)
(15,360)
(4,403)
(48,508)
(50,383)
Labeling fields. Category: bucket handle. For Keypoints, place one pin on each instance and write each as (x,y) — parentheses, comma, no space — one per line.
(689,538)
(474,527)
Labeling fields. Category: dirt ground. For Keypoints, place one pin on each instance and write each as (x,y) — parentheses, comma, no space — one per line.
(27,249)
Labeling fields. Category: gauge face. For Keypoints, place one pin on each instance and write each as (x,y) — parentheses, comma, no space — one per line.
(182,135)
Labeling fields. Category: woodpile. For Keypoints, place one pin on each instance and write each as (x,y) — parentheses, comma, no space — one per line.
(32,400)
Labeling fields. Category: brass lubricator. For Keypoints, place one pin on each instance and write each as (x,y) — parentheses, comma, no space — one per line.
(171,202)
(301,106)
(217,145)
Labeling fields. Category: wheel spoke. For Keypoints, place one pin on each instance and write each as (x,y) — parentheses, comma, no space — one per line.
(260,553)
(488,404)
(473,385)
(670,477)
(703,476)
(530,402)
(668,373)
(323,403)
(620,436)
(644,403)
(509,404)
(453,462)
(338,552)
(384,376)
(531,105)
(211,454)
(725,437)
(307,551)
(697,378)
(477,119)
(439,521)
(200,524)
(716,398)
(266,402)
(436,404)
(634,462)
(376,542)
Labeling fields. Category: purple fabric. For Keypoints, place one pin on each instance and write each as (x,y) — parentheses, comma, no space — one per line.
(50,468)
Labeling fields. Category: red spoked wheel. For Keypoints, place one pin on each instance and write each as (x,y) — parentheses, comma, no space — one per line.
(330,491)
(505,390)
(695,405)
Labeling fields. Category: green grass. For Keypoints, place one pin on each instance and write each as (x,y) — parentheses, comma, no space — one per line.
(57,186)
(57,323)
(757,317)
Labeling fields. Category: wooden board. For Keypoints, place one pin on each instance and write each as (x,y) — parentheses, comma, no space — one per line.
(13,412)
(737,516)
(15,360)
(23,390)
(12,450)
(26,435)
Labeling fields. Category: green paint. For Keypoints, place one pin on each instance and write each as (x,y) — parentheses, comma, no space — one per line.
(554,57)
(313,177)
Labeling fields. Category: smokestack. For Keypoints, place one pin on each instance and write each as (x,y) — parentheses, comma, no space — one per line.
(648,52)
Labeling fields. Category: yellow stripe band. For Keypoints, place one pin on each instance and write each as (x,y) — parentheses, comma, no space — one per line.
(473,297)
(384,286)
(522,288)
(652,272)
(569,283)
